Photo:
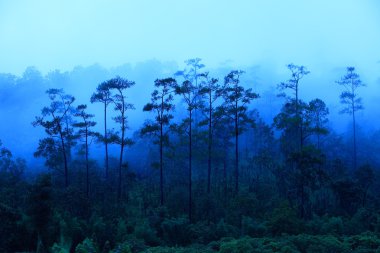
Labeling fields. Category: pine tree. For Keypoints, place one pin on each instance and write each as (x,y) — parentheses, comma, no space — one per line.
(236,100)
(103,95)
(85,132)
(161,104)
(119,99)
(55,119)
(351,101)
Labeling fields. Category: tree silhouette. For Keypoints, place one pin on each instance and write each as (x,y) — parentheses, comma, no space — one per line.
(312,119)
(211,92)
(351,101)
(236,99)
(317,112)
(85,132)
(308,174)
(119,85)
(161,104)
(190,94)
(103,95)
(55,120)
(297,73)
(193,74)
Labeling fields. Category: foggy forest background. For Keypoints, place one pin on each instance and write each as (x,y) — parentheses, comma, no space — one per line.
(116,138)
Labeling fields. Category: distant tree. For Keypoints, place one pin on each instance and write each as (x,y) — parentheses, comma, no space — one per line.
(5,157)
(189,90)
(11,178)
(55,120)
(85,132)
(221,145)
(351,101)
(211,91)
(311,119)
(9,164)
(7,88)
(162,105)
(297,73)
(236,100)
(288,122)
(119,85)
(192,71)
(190,94)
(31,82)
(304,165)
(103,95)
(317,113)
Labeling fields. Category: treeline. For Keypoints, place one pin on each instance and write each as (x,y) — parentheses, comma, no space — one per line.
(215,170)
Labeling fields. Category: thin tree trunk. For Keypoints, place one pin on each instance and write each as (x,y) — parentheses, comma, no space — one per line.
(299,127)
(66,171)
(190,169)
(68,144)
(236,152)
(161,165)
(106,137)
(87,168)
(209,146)
(120,168)
(353,121)
(354,128)
(121,151)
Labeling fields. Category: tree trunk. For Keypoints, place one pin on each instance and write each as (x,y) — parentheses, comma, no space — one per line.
(106,137)
(87,168)
(190,168)
(121,152)
(209,146)
(354,128)
(66,171)
(236,151)
(301,134)
(161,165)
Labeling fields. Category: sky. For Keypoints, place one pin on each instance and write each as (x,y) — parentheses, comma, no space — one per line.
(60,34)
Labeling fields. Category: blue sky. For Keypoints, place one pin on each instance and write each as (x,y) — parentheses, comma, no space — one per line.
(51,34)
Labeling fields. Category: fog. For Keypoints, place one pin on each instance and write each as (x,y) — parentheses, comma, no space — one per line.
(75,45)
(62,34)
(23,97)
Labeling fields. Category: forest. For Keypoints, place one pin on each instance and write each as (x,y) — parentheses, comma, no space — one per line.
(207,172)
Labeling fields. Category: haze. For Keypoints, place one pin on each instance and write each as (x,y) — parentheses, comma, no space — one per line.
(91,41)
(62,34)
